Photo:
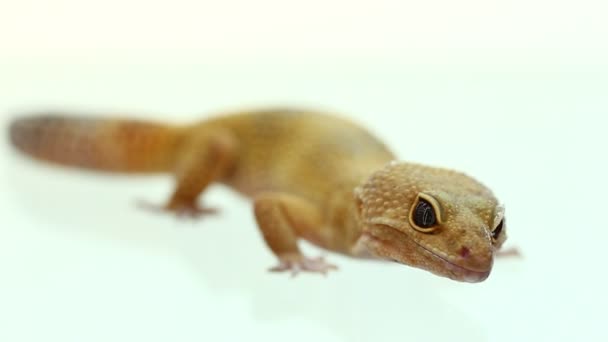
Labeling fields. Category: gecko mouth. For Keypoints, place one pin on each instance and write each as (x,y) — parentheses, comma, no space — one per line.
(448,268)
(464,274)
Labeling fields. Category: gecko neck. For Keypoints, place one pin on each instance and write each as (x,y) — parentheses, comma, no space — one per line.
(342,217)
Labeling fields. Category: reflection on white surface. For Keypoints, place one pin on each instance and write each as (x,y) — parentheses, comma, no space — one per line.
(79,262)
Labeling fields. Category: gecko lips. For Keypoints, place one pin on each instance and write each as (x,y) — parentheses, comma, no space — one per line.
(461,273)
(406,250)
(454,271)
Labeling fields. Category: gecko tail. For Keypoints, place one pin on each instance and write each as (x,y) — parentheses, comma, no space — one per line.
(93,143)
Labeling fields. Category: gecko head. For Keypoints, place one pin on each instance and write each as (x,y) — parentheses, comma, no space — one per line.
(435,219)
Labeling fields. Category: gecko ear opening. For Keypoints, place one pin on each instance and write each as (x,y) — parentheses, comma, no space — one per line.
(425,214)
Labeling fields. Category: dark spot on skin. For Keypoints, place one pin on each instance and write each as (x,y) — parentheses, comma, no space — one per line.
(464,252)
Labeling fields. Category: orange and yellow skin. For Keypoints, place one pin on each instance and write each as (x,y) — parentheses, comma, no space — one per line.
(310,175)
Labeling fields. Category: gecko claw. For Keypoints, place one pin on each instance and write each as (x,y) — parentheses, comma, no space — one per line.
(298,263)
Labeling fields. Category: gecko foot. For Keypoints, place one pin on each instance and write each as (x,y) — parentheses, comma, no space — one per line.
(181,210)
(509,252)
(299,263)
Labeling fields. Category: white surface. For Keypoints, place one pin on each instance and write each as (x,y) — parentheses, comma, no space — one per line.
(513,93)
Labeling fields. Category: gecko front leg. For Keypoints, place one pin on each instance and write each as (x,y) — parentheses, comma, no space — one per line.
(282,219)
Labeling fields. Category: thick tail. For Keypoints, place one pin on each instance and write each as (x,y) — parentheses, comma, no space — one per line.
(101,144)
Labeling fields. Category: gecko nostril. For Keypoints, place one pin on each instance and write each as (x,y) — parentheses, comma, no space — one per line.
(464,252)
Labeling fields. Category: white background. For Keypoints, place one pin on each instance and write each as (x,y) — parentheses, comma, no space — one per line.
(512,92)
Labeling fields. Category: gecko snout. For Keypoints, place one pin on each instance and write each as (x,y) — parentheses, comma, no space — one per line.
(478,261)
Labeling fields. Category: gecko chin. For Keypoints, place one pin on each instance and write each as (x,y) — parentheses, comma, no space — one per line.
(462,274)
(399,247)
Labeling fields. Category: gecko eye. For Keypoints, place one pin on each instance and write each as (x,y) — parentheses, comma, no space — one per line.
(425,215)
(496,232)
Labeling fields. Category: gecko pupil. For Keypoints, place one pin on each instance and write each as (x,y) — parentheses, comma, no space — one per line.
(424,215)
(498,229)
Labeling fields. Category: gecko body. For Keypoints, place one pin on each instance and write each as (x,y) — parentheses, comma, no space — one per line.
(311,176)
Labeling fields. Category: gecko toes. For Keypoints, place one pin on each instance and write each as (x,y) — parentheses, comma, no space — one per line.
(180,210)
(298,263)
